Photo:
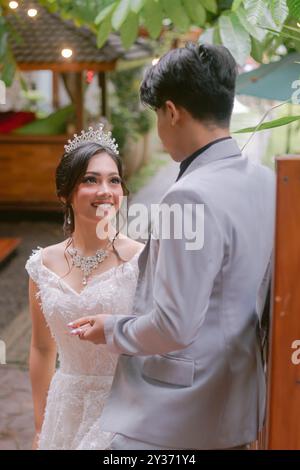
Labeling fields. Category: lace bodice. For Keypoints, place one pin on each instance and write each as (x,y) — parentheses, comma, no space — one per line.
(110,292)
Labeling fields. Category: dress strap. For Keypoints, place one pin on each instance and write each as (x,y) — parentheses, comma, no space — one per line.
(33,264)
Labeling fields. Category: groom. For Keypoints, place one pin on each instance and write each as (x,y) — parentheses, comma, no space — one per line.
(190,374)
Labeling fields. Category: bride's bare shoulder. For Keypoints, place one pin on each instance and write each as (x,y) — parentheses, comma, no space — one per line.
(127,247)
(52,254)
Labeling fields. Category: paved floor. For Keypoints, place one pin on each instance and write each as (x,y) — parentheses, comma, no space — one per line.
(16,413)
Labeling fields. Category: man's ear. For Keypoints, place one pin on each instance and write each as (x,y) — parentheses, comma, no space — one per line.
(173,112)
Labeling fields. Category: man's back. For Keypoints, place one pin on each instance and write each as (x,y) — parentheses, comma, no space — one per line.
(209,391)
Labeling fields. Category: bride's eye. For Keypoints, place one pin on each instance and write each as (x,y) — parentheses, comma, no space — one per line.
(89,179)
(116,180)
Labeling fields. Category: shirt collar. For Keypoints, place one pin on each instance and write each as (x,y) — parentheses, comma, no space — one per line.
(187,161)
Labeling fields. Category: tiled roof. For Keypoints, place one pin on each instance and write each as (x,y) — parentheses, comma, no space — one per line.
(41,39)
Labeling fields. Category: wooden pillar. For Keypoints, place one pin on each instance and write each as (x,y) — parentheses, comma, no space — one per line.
(102,84)
(283,413)
(79,101)
(55,90)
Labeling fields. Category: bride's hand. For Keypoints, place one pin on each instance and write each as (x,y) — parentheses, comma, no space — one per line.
(89,328)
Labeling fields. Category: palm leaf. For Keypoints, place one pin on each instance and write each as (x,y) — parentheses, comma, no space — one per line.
(269,125)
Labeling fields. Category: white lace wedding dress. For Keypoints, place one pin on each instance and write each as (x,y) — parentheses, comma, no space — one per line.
(82,382)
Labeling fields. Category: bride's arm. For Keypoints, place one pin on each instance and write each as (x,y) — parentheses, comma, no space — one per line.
(42,359)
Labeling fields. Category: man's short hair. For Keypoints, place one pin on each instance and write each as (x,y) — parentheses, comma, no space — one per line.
(199,78)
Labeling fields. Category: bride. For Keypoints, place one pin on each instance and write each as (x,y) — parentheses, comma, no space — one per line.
(84,273)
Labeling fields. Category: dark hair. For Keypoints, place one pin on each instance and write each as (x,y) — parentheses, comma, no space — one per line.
(199,78)
(71,169)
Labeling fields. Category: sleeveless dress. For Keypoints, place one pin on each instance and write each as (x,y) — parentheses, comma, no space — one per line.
(83,379)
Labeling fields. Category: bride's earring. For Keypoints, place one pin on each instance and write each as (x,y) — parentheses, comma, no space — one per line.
(69,216)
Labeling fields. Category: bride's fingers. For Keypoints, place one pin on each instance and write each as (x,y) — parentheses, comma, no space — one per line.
(79,332)
(81,322)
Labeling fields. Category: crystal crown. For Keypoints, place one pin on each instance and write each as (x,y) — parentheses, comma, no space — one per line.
(98,136)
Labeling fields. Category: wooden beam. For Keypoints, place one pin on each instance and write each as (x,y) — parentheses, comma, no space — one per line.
(283,430)
(68,66)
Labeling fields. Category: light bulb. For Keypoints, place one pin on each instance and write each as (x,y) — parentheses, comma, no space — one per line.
(13,5)
(32,12)
(66,53)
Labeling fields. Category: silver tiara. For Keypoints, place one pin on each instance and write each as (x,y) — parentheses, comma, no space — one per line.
(98,136)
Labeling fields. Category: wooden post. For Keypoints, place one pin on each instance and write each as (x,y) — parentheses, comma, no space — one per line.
(55,90)
(79,102)
(282,425)
(102,84)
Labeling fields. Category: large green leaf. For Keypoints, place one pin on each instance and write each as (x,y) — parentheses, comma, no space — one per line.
(210,5)
(195,11)
(258,13)
(8,71)
(235,37)
(137,5)
(104,31)
(120,14)
(3,42)
(153,17)
(294,8)
(256,50)
(129,29)
(279,11)
(84,11)
(175,11)
(270,125)
(103,14)
(236,4)
(255,31)
(53,124)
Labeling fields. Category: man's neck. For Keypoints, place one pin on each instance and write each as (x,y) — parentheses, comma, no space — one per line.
(197,139)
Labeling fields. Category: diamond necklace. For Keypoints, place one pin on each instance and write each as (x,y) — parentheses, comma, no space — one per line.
(87,263)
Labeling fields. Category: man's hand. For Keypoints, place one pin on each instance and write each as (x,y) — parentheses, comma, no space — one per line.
(89,328)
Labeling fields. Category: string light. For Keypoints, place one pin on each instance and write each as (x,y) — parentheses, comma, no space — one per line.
(66,53)
(13,5)
(32,12)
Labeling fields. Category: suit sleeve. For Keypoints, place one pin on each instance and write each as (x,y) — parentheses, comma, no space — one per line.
(183,282)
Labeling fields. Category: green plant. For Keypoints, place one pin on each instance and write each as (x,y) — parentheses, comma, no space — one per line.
(33,99)
(129,119)
(55,123)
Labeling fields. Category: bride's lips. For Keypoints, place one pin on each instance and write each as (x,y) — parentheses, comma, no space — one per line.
(106,203)
(102,208)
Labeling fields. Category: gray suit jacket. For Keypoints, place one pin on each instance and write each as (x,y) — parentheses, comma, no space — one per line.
(190,374)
